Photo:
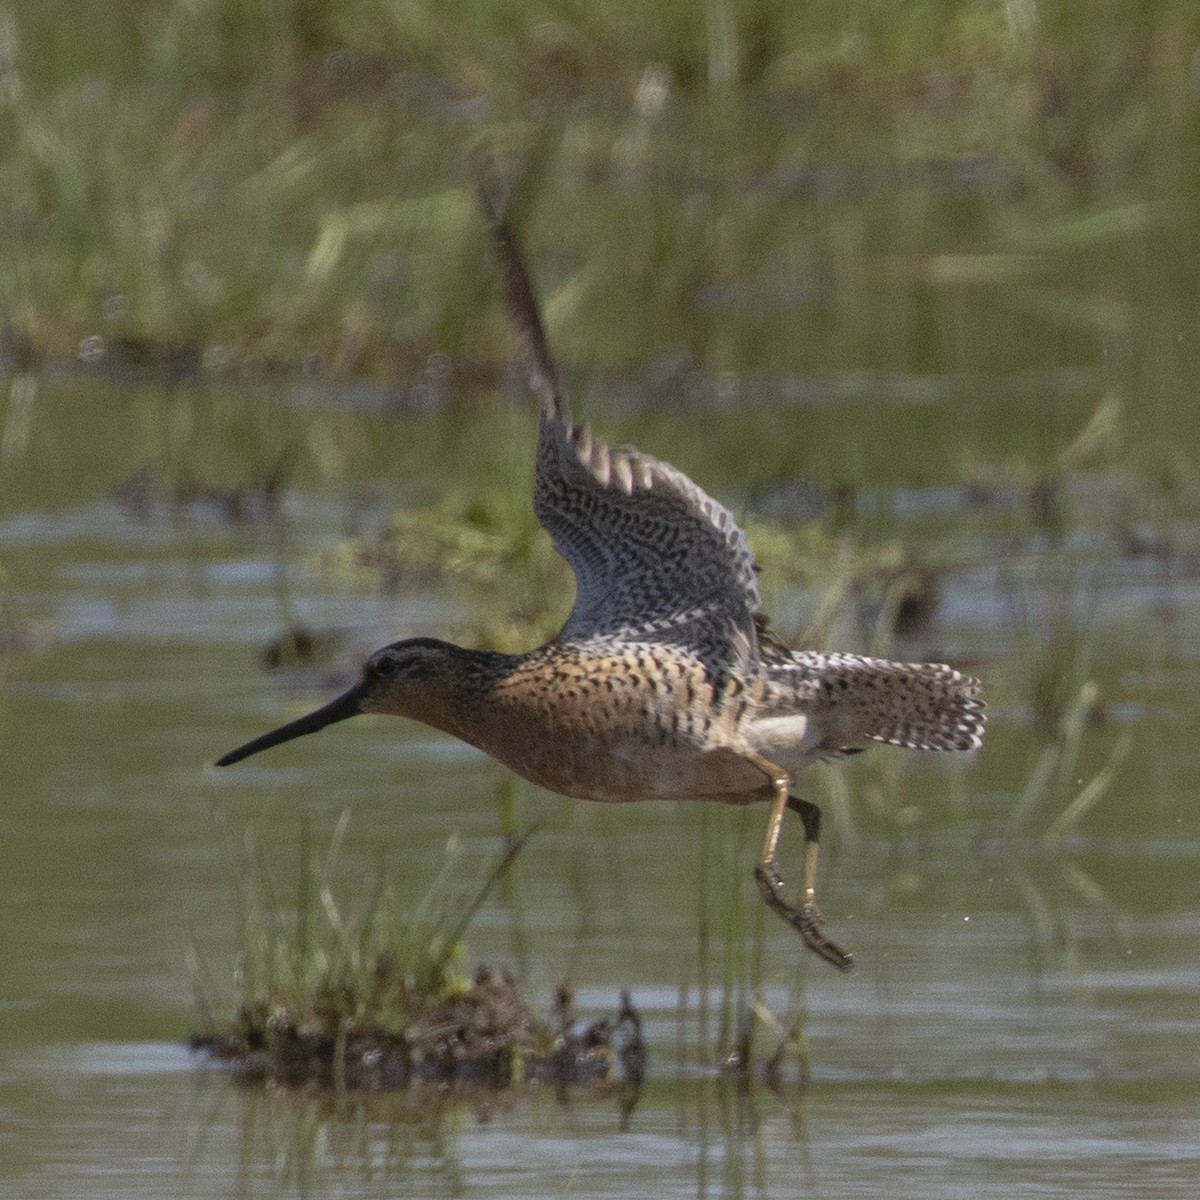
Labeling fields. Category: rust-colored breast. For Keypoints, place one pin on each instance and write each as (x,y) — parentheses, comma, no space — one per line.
(638,723)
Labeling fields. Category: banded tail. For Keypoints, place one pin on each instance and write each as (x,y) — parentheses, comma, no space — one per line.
(923,706)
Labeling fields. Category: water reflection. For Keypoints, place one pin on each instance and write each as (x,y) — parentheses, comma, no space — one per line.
(113,1121)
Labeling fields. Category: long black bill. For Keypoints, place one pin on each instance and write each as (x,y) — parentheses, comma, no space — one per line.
(345,706)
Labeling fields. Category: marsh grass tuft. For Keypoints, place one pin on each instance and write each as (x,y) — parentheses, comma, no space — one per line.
(316,965)
(379,998)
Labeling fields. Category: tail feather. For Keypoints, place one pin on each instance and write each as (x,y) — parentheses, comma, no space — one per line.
(923,706)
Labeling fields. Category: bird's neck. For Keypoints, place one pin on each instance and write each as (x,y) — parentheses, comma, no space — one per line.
(461,700)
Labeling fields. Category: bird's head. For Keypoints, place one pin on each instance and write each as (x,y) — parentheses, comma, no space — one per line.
(411,678)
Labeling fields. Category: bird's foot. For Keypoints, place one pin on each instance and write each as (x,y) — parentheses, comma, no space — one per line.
(811,926)
(805,917)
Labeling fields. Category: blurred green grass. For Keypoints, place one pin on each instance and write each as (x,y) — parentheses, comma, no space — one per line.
(768,187)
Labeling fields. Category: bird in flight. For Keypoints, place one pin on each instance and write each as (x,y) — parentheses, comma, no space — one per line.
(666,681)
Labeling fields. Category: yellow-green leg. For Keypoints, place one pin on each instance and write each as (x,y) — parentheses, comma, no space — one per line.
(804,917)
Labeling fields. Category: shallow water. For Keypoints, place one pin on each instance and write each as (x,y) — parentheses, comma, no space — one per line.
(1021,1020)
(134,1119)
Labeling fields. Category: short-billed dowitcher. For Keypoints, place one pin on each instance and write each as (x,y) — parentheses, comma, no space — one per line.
(665,682)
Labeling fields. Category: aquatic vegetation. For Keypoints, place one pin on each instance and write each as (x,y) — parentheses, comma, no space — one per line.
(1054,782)
(378,999)
(485,539)
(318,963)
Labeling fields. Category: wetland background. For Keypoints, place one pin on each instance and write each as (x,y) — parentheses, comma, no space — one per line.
(911,287)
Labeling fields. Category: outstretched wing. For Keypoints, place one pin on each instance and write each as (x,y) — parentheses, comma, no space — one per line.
(655,558)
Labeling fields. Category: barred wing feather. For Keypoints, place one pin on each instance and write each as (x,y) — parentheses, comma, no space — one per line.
(655,558)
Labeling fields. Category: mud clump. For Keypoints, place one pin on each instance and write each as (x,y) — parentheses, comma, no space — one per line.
(484,1035)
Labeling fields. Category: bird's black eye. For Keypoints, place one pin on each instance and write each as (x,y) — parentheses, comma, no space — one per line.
(385,664)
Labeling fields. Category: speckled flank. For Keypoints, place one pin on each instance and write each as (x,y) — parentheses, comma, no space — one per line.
(610,719)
